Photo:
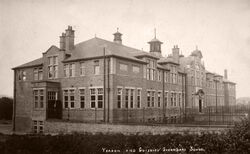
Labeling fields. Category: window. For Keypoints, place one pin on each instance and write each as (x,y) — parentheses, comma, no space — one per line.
(159,75)
(148,98)
(53,67)
(82,98)
(52,95)
(138,98)
(172,99)
(21,75)
(69,98)
(126,97)
(173,74)
(153,98)
(166,99)
(180,99)
(82,69)
(38,98)
(96,67)
(151,69)
(131,98)
(100,97)
(38,73)
(38,126)
(92,98)
(135,69)
(123,67)
(159,99)
(72,98)
(119,98)
(69,70)
(96,97)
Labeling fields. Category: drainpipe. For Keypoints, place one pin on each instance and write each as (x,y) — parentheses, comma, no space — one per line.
(14,105)
(108,89)
(163,95)
(104,86)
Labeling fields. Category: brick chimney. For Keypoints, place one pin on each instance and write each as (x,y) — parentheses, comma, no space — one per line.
(69,38)
(62,41)
(176,53)
(225,74)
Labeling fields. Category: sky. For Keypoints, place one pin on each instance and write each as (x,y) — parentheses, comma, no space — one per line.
(220,29)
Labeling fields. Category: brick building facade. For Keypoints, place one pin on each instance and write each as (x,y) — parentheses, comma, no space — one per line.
(103,81)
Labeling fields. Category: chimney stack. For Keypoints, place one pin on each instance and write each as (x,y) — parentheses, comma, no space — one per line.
(62,41)
(176,53)
(69,38)
(225,74)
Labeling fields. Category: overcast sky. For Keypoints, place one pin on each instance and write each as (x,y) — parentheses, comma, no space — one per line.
(220,29)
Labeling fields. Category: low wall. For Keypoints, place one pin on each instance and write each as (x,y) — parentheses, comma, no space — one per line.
(55,127)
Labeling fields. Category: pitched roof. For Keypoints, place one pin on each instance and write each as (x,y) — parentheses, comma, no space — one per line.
(36,62)
(167,60)
(227,81)
(94,48)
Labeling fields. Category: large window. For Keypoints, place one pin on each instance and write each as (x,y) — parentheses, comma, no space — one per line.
(166,99)
(96,67)
(159,99)
(126,97)
(159,75)
(131,98)
(69,70)
(119,97)
(38,73)
(53,67)
(173,74)
(172,99)
(151,69)
(82,69)
(69,98)
(38,98)
(148,98)
(138,98)
(96,97)
(153,99)
(82,97)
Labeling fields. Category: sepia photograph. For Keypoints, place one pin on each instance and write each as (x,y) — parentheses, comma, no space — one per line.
(125,76)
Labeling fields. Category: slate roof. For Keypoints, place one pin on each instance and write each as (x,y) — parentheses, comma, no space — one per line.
(227,81)
(167,60)
(36,62)
(94,48)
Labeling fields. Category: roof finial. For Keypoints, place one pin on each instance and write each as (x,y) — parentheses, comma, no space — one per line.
(117,29)
(196,47)
(155,32)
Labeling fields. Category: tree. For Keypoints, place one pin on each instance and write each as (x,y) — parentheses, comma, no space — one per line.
(6,108)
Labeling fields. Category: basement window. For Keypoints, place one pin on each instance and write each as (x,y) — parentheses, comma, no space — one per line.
(38,126)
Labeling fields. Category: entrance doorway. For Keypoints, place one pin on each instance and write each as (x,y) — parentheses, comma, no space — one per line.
(54,106)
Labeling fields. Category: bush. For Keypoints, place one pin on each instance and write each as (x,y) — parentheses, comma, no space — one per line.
(233,141)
